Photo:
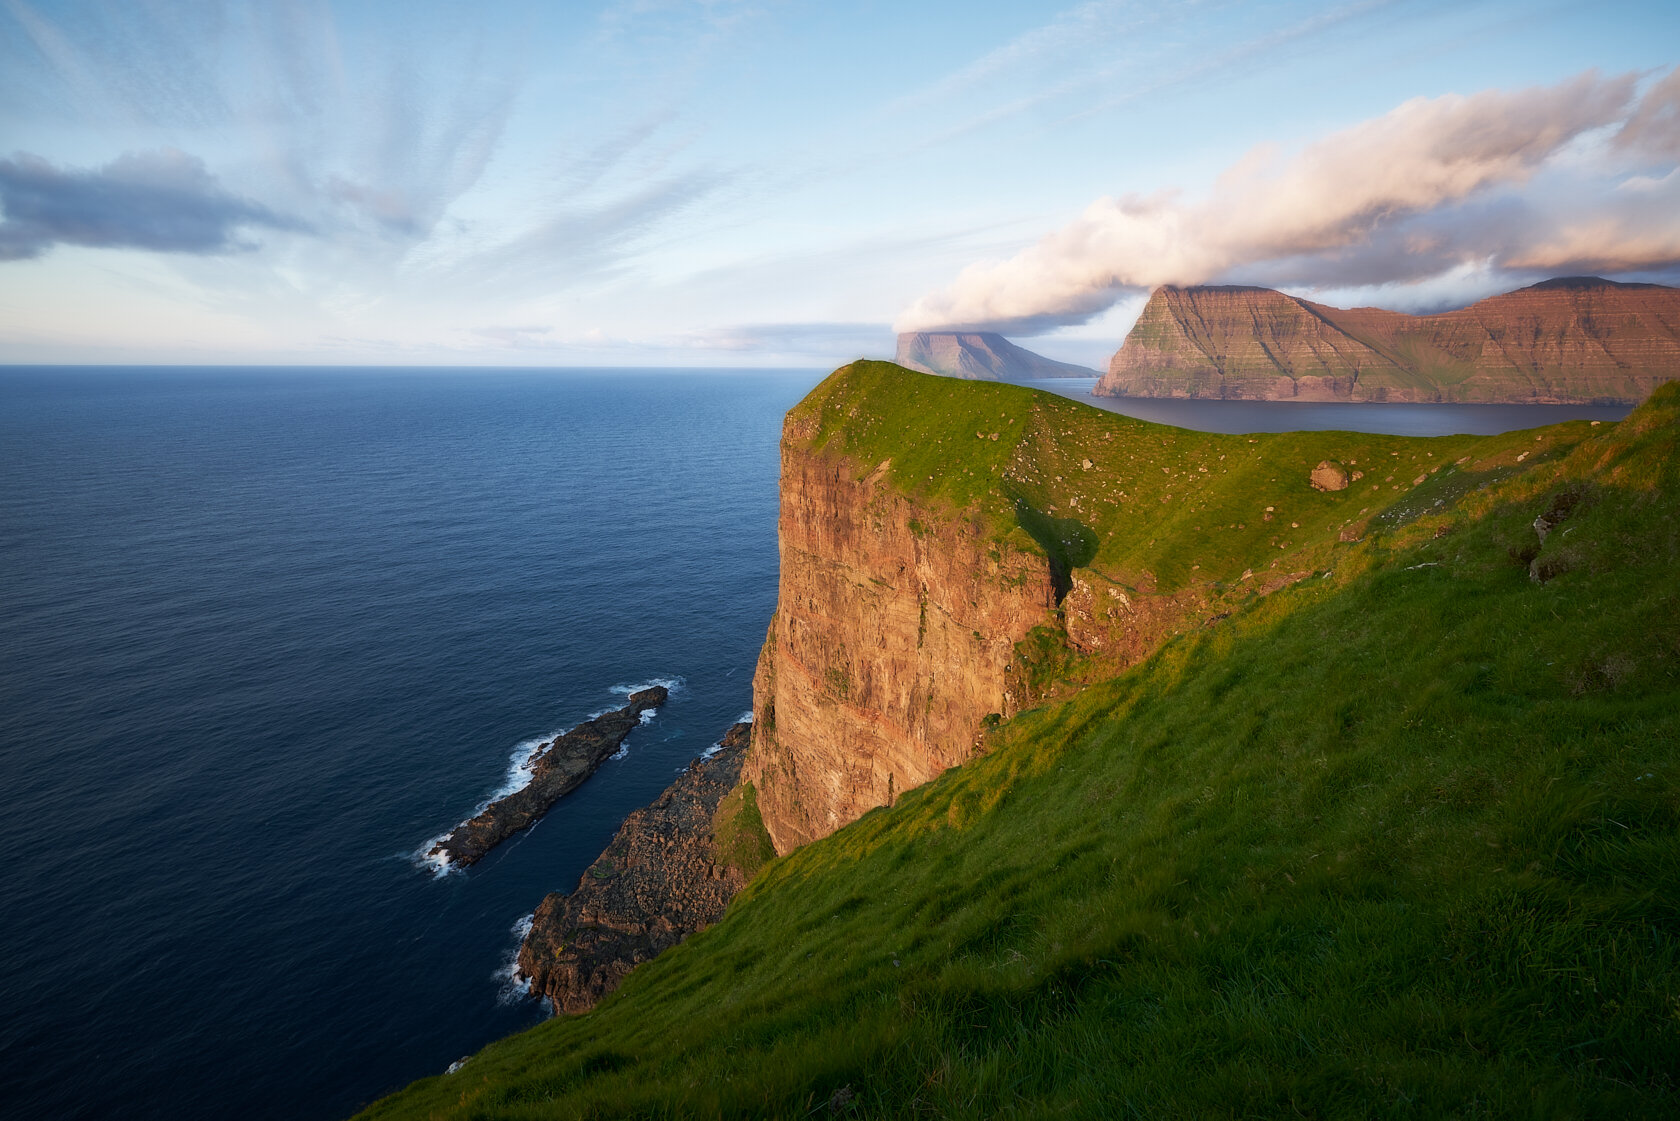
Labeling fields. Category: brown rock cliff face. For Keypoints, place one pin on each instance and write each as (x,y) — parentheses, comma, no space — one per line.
(1572,340)
(891,643)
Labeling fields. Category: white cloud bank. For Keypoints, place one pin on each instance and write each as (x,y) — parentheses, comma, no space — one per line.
(1579,176)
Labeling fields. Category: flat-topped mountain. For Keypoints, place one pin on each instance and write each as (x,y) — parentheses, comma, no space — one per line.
(980,355)
(1565,341)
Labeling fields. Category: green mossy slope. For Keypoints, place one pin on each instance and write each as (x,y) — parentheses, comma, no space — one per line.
(1402,839)
(1184,506)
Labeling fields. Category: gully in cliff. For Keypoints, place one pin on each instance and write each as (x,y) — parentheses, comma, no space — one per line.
(559,768)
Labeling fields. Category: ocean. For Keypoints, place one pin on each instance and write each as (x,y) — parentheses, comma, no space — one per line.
(267,633)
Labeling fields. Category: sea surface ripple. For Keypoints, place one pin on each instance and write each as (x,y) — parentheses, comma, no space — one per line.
(265,632)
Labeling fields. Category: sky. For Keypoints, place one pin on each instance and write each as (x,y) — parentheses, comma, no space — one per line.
(782,183)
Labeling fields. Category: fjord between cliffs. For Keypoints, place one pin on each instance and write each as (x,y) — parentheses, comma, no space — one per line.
(1354,801)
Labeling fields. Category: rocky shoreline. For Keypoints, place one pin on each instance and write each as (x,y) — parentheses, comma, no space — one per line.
(670,871)
(560,767)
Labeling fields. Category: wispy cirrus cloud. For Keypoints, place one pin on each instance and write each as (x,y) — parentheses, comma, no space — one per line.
(163,201)
(1421,190)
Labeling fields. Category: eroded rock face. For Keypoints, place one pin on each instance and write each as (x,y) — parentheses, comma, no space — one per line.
(560,768)
(660,880)
(1572,340)
(891,642)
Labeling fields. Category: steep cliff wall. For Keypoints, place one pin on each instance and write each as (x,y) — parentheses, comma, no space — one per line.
(1578,339)
(894,628)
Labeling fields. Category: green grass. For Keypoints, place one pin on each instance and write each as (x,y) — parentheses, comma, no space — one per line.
(1400,841)
(1165,506)
(738,834)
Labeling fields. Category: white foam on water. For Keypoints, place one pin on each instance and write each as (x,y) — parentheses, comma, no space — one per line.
(672,685)
(518,777)
(435,863)
(744,718)
(513,986)
(520,764)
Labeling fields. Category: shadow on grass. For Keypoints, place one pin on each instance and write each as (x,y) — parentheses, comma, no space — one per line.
(1068,542)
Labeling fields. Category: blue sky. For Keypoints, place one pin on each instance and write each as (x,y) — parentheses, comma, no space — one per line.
(779,183)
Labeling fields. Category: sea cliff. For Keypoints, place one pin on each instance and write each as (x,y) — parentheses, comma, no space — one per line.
(1565,341)
(891,642)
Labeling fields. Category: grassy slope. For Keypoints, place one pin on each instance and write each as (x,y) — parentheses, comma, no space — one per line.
(1400,841)
(1185,507)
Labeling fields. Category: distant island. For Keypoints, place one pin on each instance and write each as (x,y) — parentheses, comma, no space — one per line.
(1573,340)
(980,356)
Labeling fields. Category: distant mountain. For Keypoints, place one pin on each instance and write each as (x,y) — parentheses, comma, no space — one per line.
(979,355)
(1570,340)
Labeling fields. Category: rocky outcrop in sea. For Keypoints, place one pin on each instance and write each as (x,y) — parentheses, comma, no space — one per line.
(559,768)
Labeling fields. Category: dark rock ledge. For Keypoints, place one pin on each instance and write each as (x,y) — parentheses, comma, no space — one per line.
(559,769)
(670,871)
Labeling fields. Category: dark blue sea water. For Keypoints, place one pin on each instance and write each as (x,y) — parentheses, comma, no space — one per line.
(264,633)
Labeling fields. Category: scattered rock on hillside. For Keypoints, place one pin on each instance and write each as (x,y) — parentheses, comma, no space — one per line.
(1329,475)
(1560,508)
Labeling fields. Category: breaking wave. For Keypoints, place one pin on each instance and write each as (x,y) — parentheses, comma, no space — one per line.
(513,986)
(744,718)
(673,685)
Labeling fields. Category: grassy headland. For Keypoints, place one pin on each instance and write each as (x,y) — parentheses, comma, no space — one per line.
(1400,837)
